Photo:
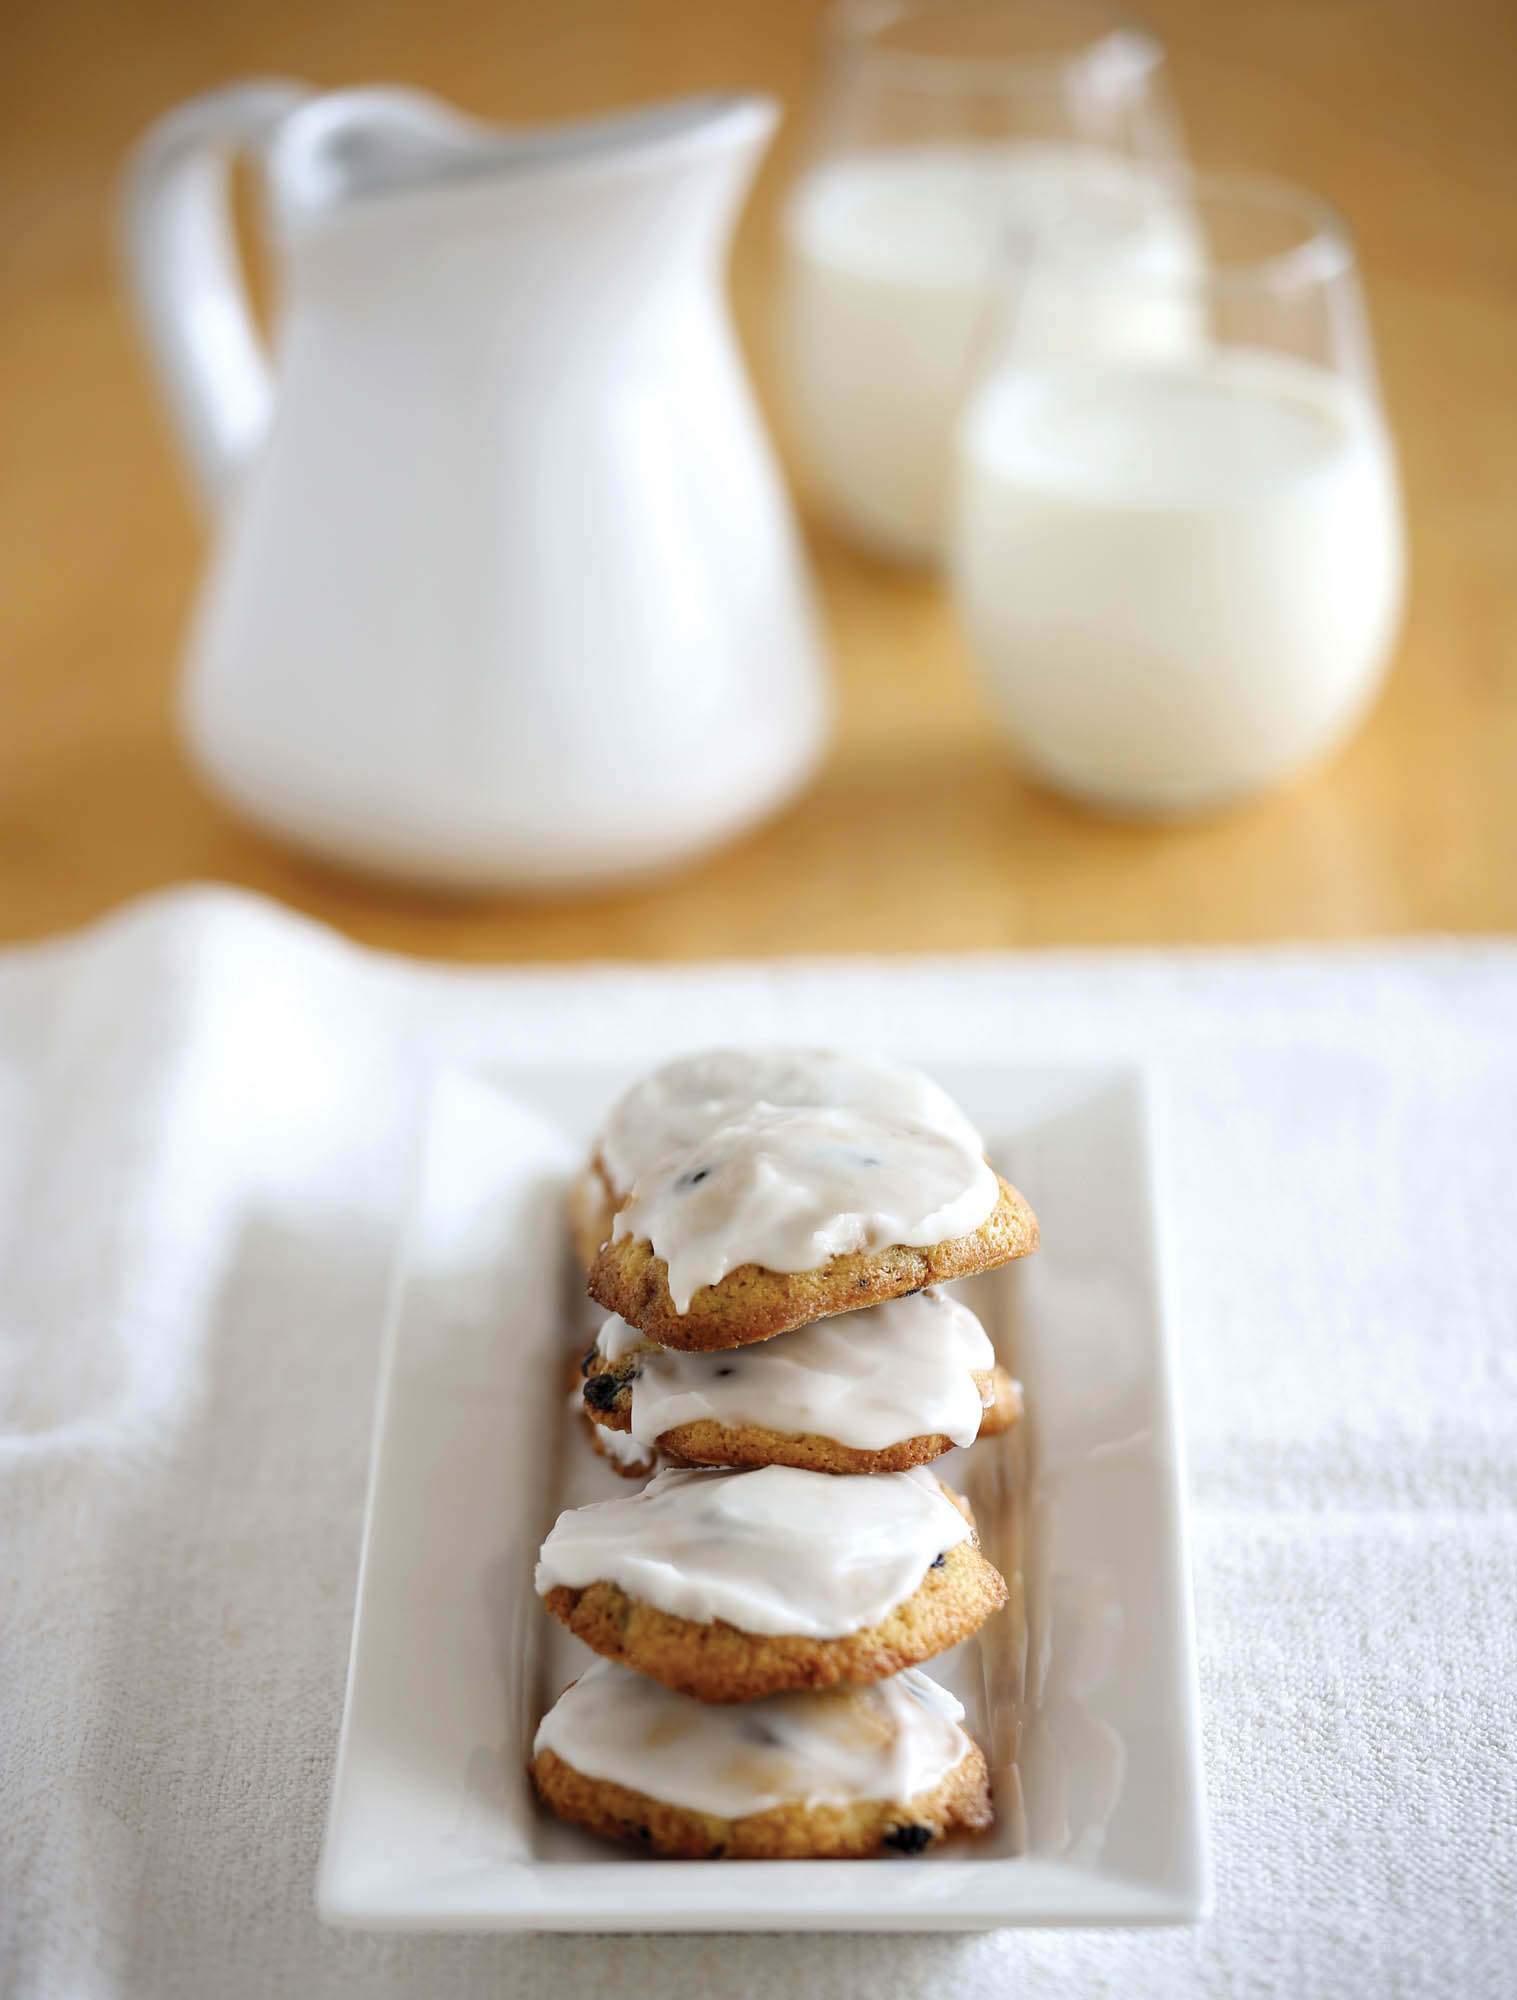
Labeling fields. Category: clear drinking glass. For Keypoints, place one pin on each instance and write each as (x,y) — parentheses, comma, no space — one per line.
(1177,546)
(937,127)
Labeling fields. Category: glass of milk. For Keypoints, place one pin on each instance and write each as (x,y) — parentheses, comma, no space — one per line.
(1178,547)
(937,127)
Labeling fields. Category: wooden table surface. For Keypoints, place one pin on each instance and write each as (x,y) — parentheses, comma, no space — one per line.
(919,832)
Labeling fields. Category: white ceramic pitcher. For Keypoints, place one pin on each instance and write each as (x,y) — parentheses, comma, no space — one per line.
(507,591)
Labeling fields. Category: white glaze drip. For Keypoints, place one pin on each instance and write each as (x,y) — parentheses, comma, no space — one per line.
(773,1550)
(619,1446)
(866,1379)
(616,1340)
(679,1105)
(790,1189)
(837,1746)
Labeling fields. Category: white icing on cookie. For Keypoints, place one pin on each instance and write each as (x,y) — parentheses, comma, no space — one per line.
(616,1340)
(618,1446)
(836,1746)
(790,1189)
(816,1554)
(677,1106)
(868,1379)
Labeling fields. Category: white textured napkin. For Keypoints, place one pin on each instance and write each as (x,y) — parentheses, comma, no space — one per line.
(207,1116)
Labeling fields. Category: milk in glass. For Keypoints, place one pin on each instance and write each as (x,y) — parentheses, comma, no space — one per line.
(1182,577)
(889,260)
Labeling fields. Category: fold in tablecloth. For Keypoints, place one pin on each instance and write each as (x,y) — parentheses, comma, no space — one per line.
(208,1110)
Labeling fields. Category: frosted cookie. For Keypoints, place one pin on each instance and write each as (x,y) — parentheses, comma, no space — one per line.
(730,1585)
(626,1457)
(680,1104)
(779,1218)
(876,1390)
(850,1772)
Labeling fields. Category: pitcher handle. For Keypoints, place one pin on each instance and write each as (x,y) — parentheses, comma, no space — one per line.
(186,279)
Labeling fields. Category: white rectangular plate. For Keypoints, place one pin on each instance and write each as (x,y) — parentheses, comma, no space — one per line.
(1083,1692)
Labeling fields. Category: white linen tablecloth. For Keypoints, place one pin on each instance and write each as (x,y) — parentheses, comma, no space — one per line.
(208,1110)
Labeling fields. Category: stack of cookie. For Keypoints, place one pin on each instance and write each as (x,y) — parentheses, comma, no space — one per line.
(765,1228)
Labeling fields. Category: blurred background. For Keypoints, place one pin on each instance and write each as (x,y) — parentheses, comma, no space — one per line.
(920,833)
